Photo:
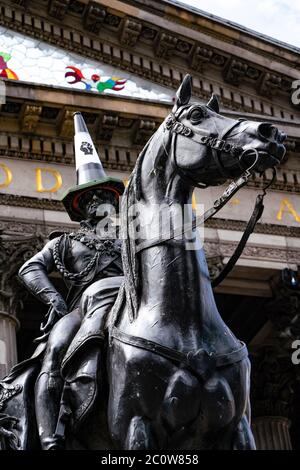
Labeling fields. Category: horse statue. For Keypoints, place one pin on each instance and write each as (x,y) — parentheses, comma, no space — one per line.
(179,379)
(175,376)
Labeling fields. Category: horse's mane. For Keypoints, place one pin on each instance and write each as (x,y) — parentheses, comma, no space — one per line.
(133,194)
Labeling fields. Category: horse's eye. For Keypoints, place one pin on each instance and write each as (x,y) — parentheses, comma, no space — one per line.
(196,115)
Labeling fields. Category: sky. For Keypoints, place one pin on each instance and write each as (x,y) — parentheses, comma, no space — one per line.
(279,19)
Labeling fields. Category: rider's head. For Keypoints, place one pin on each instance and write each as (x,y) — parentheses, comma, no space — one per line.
(97,204)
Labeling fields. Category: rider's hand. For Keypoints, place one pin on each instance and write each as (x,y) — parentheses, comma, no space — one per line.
(58,310)
(59,306)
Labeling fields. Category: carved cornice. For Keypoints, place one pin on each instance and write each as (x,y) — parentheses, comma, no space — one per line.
(277,254)
(30,117)
(32,202)
(236,71)
(268,229)
(144,130)
(93,17)
(222,30)
(54,112)
(58,8)
(108,122)
(65,124)
(41,156)
(200,56)
(127,31)
(130,32)
(29,229)
(168,19)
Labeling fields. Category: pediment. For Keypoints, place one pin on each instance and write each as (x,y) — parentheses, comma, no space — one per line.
(30,60)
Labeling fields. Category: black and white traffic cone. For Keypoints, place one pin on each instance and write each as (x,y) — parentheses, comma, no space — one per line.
(89,170)
(88,165)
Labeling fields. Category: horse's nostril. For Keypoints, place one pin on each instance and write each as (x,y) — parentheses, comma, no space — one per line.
(282,137)
(266,130)
(272,148)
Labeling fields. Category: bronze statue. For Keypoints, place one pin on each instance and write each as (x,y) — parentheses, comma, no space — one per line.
(171,375)
(90,264)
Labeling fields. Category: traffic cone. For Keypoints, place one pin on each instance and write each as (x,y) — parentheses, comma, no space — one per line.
(89,171)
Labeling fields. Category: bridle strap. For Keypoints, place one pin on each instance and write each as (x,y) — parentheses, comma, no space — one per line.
(229,192)
(178,128)
(256,215)
(216,145)
(204,138)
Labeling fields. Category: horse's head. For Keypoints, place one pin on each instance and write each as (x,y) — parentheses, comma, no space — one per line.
(209,148)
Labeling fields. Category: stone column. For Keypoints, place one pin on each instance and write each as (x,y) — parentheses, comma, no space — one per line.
(274,377)
(272,433)
(15,249)
(8,346)
(272,397)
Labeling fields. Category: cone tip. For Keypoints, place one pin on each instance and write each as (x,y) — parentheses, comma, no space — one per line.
(79,123)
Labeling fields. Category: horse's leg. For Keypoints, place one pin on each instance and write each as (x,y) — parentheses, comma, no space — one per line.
(242,437)
(49,385)
(139,436)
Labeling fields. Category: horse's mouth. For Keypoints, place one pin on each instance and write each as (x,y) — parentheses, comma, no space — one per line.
(272,160)
(275,158)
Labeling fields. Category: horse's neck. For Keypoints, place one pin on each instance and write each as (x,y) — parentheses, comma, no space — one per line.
(176,294)
(172,274)
(160,181)
(174,288)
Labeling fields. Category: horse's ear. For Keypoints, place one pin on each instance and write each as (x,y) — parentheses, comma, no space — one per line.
(184,92)
(214,104)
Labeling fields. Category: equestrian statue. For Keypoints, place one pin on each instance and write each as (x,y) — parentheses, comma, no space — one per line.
(137,356)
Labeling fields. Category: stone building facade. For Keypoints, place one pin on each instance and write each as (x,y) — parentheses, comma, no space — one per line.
(151,44)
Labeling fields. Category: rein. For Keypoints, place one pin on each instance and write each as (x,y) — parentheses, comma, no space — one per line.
(216,144)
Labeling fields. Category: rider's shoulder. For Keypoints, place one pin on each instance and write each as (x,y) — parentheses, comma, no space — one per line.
(55,234)
(54,237)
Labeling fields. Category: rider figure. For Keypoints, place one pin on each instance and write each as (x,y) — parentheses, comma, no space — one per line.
(90,264)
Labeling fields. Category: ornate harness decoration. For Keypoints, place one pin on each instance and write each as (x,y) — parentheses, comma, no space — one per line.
(214,143)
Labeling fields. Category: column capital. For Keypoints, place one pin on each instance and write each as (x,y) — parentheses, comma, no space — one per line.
(283,309)
(273,382)
(15,249)
(10,318)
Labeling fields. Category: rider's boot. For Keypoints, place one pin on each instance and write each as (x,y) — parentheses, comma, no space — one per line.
(48,391)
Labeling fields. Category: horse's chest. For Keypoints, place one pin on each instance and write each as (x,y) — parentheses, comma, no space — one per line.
(173,395)
(217,403)
(209,405)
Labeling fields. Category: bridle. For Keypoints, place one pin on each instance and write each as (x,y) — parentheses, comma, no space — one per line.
(217,145)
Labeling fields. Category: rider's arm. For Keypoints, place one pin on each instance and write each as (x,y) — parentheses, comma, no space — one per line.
(34,274)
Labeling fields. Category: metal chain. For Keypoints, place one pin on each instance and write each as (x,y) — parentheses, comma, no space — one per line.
(63,270)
